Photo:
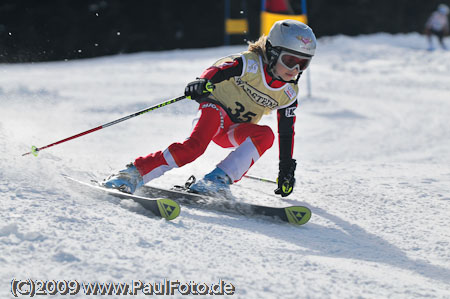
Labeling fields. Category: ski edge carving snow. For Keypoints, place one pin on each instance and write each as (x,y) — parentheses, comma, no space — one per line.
(162,207)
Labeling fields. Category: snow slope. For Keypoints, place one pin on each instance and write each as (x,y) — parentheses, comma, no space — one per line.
(373,148)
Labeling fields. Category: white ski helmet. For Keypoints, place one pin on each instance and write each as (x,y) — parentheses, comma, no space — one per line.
(292,36)
(443,9)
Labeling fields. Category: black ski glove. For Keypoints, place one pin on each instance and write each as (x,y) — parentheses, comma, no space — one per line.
(286,178)
(199,88)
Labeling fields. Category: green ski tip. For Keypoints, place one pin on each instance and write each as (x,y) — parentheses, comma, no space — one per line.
(168,208)
(298,215)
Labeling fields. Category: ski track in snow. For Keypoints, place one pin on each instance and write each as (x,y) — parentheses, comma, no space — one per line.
(373,148)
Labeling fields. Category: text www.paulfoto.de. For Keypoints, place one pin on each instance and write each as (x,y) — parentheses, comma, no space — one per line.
(29,287)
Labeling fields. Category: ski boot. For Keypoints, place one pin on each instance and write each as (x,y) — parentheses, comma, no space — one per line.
(126,180)
(213,183)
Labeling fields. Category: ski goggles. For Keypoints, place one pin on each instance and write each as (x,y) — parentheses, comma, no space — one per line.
(293,61)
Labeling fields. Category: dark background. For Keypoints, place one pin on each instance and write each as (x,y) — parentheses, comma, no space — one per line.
(41,30)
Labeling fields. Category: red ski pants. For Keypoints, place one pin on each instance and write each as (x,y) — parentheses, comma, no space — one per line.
(212,123)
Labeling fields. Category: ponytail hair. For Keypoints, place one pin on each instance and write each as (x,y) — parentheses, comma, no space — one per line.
(259,47)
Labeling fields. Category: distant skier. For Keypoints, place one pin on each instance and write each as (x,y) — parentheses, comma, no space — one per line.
(437,24)
(246,86)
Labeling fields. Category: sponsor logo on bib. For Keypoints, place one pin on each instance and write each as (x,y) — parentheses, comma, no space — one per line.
(252,66)
(257,96)
(290,92)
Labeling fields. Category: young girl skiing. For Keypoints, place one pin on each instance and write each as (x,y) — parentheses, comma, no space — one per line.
(233,95)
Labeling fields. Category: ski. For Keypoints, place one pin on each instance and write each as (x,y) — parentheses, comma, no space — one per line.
(297,215)
(165,203)
(162,207)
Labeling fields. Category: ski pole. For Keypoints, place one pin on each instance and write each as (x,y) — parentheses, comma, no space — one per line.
(260,179)
(35,150)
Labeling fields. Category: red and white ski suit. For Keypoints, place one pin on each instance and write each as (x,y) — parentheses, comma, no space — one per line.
(218,123)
